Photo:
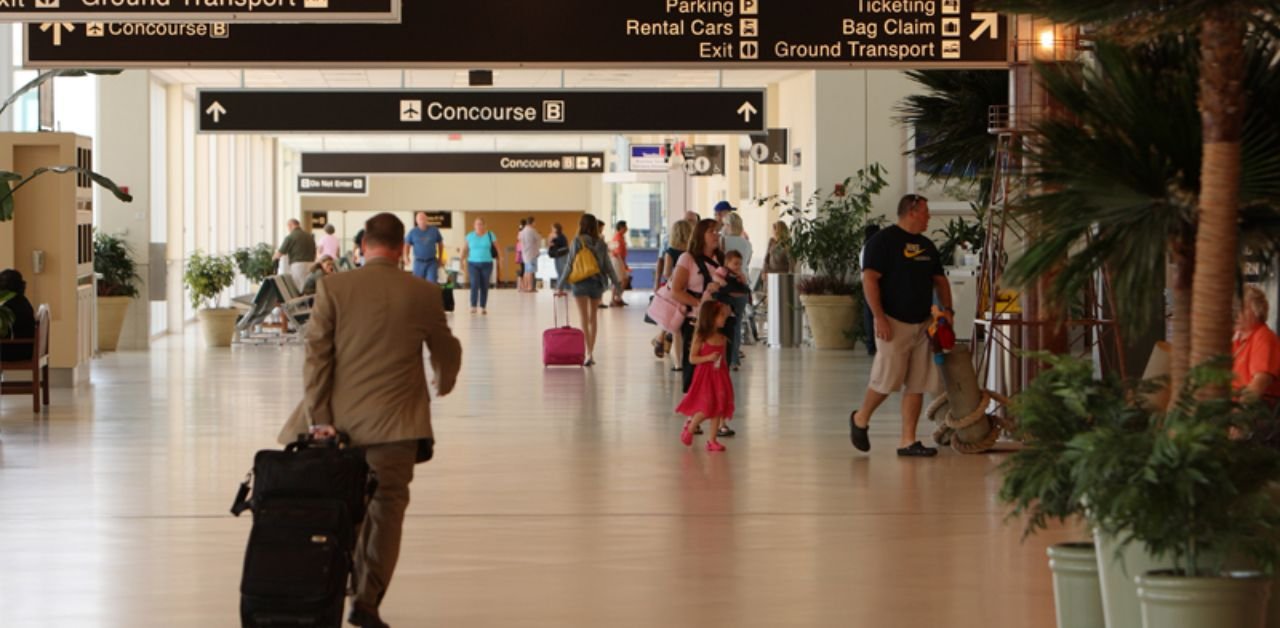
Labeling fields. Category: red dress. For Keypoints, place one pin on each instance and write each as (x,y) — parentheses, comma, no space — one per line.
(711,391)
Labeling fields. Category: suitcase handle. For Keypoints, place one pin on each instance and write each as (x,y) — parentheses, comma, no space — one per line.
(556,308)
(307,441)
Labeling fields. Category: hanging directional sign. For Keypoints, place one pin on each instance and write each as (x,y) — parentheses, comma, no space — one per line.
(345,185)
(704,160)
(769,148)
(567,34)
(554,111)
(454,163)
(278,11)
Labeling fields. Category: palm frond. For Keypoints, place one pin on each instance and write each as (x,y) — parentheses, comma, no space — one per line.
(950,122)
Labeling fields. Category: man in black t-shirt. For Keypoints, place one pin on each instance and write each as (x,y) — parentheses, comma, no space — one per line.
(901,271)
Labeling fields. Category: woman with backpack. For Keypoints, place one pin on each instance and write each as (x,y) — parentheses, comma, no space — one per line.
(588,274)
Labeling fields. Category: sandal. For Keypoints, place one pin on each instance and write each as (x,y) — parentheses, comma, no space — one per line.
(658,350)
(917,450)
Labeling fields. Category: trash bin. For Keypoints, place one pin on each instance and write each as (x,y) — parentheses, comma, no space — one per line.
(785,325)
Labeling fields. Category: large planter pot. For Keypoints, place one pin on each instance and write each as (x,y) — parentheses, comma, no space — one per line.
(1077,592)
(832,319)
(1231,601)
(111,313)
(1118,576)
(219,326)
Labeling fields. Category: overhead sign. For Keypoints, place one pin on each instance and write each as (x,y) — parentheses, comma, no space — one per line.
(102,11)
(331,185)
(769,148)
(704,160)
(463,163)
(649,158)
(568,34)
(554,111)
(439,220)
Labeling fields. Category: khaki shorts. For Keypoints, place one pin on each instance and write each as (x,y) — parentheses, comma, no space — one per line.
(907,360)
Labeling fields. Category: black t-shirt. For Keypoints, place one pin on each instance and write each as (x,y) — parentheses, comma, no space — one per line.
(907,265)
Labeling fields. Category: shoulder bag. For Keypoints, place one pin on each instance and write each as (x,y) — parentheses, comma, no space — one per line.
(584,267)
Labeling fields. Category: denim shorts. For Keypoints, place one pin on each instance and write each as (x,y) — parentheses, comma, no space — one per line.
(531,267)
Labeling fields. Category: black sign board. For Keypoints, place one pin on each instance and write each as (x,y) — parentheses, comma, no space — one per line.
(440,220)
(345,185)
(457,163)
(769,148)
(704,160)
(319,220)
(99,11)
(571,33)
(554,111)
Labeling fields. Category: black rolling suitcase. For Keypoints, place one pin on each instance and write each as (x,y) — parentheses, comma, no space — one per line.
(308,502)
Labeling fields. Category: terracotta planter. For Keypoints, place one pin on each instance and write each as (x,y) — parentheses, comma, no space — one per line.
(1237,600)
(832,319)
(111,313)
(219,326)
(1077,592)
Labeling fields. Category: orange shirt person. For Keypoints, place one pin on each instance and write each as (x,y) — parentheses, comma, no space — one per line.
(1255,349)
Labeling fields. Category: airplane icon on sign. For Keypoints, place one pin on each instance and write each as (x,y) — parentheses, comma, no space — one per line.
(411,111)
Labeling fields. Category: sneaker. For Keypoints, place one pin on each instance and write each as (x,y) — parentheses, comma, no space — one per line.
(714,446)
(859,436)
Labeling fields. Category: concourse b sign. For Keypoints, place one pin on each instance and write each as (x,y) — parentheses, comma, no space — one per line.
(560,34)
(514,111)
(63,13)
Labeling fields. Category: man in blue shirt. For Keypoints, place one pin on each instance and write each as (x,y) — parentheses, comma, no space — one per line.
(426,245)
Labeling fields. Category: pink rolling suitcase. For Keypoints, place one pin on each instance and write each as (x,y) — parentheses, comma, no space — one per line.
(563,345)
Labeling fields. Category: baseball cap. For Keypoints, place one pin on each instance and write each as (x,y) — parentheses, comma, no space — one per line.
(724,206)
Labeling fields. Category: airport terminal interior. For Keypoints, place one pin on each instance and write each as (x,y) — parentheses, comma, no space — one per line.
(223,164)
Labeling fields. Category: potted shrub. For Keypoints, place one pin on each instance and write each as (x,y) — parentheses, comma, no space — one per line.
(1186,491)
(255,263)
(1062,403)
(826,239)
(117,286)
(206,277)
(959,237)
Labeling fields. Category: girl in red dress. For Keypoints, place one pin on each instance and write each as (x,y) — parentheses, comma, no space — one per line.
(710,396)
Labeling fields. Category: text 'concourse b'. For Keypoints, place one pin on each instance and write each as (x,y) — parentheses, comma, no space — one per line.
(576,33)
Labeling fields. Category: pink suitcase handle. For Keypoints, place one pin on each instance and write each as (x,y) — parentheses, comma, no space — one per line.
(555,308)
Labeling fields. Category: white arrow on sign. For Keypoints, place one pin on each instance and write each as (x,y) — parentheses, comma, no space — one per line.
(217,111)
(990,24)
(747,110)
(57,30)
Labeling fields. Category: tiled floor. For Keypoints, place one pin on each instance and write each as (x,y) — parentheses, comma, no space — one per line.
(558,497)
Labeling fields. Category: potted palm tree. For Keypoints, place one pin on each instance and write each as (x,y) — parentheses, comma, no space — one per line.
(1059,405)
(117,286)
(206,276)
(826,238)
(1187,492)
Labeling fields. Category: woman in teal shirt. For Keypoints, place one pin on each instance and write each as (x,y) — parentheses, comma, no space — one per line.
(478,251)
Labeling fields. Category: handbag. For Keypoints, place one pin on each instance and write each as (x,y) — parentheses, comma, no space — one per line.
(493,247)
(584,267)
(665,311)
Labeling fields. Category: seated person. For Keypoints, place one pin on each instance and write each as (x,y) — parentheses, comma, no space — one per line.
(318,271)
(1256,349)
(24,325)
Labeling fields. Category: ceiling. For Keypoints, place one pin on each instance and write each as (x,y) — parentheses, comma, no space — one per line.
(349,79)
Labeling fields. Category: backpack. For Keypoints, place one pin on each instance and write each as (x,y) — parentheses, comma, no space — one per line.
(584,268)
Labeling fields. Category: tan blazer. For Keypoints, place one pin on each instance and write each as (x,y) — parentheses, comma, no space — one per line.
(364,372)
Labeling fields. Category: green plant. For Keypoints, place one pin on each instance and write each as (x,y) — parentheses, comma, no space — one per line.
(949,119)
(113,260)
(1183,487)
(7,317)
(1060,404)
(255,263)
(207,276)
(827,232)
(957,233)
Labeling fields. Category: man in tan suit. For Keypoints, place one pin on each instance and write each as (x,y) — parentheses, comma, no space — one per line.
(365,376)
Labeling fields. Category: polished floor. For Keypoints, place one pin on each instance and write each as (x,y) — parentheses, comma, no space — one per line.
(558,497)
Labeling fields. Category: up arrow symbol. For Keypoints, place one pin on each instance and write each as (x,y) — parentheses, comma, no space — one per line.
(990,23)
(217,111)
(747,110)
(57,30)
